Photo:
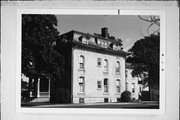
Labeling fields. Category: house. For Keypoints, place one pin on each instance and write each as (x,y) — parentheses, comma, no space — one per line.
(95,67)
(133,84)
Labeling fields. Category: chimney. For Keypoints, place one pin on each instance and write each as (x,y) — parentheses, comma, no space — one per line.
(104,32)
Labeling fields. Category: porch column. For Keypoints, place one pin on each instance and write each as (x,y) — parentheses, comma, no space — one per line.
(38,88)
(49,88)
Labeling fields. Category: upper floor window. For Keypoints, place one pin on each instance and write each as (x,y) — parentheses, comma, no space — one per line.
(81,62)
(106,65)
(99,62)
(118,66)
(114,47)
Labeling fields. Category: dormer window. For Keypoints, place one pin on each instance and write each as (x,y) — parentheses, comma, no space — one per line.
(83,40)
(114,47)
(99,42)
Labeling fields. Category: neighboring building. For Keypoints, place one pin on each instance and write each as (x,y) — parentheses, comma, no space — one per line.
(133,84)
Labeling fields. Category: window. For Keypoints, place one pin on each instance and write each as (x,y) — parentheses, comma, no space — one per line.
(118,85)
(98,42)
(105,85)
(81,62)
(133,87)
(114,47)
(106,65)
(84,40)
(99,62)
(117,66)
(99,84)
(81,84)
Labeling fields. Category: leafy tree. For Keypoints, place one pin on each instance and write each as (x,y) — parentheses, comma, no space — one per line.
(39,57)
(145,58)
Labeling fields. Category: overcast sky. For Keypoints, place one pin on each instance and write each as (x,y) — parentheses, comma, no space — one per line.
(124,27)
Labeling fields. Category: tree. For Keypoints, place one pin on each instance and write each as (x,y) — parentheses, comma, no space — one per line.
(39,57)
(145,58)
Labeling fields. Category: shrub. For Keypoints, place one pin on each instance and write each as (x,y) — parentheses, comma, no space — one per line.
(126,96)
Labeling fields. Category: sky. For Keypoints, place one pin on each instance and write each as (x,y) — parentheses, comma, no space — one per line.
(126,27)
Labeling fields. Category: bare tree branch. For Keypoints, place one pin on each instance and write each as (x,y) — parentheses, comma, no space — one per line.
(153,20)
(148,28)
(141,33)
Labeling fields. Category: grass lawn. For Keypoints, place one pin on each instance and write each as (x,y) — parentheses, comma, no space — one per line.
(131,105)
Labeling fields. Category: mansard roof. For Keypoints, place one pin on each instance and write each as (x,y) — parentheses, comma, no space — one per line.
(96,48)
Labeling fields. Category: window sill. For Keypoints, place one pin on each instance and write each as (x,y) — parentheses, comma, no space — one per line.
(80,69)
(81,93)
(99,88)
(118,93)
(105,93)
(105,72)
(117,73)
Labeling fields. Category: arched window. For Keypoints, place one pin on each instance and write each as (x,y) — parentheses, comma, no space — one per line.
(106,65)
(81,62)
(118,66)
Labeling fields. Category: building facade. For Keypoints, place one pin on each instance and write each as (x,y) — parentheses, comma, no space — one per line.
(96,66)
